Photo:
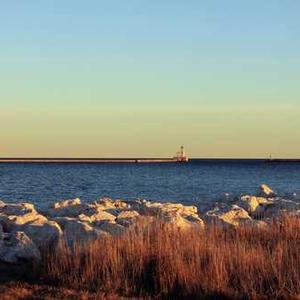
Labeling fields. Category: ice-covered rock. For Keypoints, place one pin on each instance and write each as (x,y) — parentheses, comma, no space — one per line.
(44,233)
(281,206)
(183,223)
(17,248)
(24,217)
(107,203)
(66,203)
(127,217)
(78,232)
(254,205)
(233,215)
(112,228)
(266,191)
(70,208)
(157,208)
(84,218)
(174,214)
(102,216)
(18,214)
(18,209)
(79,222)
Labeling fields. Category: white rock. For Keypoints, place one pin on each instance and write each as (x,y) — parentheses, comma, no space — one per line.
(24,217)
(127,217)
(128,214)
(66,203)
(17,209)
(254,205)
(84,218)
(18,214)
(179,208)
(77,232)
(17,248)
(44,233)
(106,203)
(178,221)
(14,223)
(279,207)
(71,208)
(102,216)
(112,228)
(234,215)
(156,208)
(265,191)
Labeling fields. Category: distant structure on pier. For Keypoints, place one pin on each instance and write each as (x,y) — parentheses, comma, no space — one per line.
(181,155)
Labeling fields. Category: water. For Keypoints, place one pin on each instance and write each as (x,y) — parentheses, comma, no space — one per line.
(192,183)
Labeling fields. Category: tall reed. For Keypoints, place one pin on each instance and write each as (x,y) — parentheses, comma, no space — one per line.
(152,259)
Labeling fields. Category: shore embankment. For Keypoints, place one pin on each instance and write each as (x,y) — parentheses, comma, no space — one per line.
(243,247)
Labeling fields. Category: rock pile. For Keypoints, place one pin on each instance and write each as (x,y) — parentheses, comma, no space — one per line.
(26,231)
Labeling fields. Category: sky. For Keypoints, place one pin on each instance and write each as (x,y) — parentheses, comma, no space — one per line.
(139,78)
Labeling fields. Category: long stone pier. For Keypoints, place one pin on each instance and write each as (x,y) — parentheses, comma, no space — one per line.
(88,160)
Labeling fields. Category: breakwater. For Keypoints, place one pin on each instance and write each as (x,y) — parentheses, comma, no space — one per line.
(89,160)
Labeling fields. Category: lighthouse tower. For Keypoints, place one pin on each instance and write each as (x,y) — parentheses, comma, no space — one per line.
(181,155)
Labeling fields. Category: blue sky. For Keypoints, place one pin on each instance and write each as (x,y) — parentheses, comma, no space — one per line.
(81,78)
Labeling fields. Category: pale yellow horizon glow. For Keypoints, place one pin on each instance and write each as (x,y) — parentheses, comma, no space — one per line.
(232,132)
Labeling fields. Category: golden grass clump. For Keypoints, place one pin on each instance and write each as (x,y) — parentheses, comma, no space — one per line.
(155,260)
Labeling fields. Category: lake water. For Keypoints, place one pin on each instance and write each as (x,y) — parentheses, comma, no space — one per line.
(191,183)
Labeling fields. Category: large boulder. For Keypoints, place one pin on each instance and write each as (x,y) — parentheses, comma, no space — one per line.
(70,208)
(254,205)
(179,208)
(265,191)
(112,228)
(107,203)
(177,221)
(228,216)
(18,214)
(44,233)
(17,209)
(17,248)
(157,208)
(127,217)
(76,232)
(174,214)
(102,216)
(279,207)
(66,203)
(24,217)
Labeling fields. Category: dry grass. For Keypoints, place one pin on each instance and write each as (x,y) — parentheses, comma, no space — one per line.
(154,260)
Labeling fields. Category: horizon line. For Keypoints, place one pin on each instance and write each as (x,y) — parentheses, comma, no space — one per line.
(141,157)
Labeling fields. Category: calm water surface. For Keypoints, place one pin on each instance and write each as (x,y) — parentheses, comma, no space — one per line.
(193,182)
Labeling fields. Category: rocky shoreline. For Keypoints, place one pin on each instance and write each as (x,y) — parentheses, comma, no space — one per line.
(25,231)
